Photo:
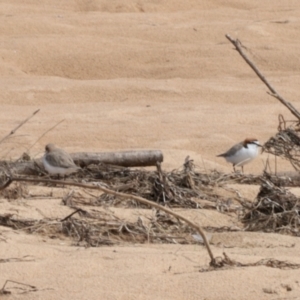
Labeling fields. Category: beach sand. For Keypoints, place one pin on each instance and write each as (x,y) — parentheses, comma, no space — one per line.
(126,75)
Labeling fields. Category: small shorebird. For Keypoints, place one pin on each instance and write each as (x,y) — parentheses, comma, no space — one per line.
(58,162)
(242,153)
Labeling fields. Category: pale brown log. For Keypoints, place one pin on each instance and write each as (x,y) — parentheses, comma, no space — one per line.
(137,158)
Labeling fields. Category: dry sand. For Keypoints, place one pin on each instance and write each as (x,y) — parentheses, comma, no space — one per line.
(145,75)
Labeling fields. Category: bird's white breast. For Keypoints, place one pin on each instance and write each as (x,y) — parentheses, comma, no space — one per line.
(243,155)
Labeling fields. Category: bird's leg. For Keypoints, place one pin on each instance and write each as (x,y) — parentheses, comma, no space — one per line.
(234,170)
(242,169)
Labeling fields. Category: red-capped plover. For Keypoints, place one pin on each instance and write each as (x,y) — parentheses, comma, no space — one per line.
(58,162)
(242,153)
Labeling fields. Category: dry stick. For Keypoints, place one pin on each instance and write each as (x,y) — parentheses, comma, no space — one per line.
(45,133)
(237,45)
(73,213)
(124,196)
(3,291)
(22,123)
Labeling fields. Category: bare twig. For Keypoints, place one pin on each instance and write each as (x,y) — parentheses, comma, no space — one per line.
(281,121)
(21,124)
(45,133)
(3,291)
(122,196)
(73,213)
(273,93)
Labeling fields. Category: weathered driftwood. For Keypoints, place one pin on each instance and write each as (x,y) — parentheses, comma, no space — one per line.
(138,158)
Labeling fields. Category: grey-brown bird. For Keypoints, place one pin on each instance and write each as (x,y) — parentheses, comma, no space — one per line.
(58,162)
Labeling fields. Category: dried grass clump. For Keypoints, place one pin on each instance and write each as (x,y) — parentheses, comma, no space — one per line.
(276,210)
(96,228)
(180,188)
(17,190)
(97,232)
(172,188)
(286,144)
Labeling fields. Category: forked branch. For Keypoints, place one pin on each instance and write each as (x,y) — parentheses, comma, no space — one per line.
(237,44)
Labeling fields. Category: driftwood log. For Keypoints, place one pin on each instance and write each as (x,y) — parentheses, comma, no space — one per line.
(137,158)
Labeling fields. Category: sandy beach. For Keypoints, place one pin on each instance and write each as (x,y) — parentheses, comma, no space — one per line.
(126,75)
